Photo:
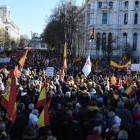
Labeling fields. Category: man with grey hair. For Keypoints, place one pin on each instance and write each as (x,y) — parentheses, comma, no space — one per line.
(93,122)
(135,113)
(122,135)
(96,134)
(123,113)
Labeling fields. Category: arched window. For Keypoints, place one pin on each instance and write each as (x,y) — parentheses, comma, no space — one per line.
(124,40)
(136,18)
(135,42)
(98,41)
(109,41)
(104,41)
(126,18)
(100,4)
(110,4)
(126,3)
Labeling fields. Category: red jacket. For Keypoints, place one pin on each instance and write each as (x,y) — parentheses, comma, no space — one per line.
(93,137)
(130,106)
(135,115)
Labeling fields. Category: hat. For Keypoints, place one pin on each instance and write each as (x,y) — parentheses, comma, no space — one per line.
(78,105)
(31,106)
(121,103)
(23,93)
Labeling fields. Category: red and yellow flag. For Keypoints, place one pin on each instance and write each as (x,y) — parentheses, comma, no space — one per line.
(8,100)
(97,63)
(135,53)
(113,81)
(44,116)
(16,72)
(30,60)
(64,56)
(43,73)
(107,80)
(129,90)
(42,97)
(53,48)
(116,65)
(22,59)
(115,95)
(120,83)
(47,80)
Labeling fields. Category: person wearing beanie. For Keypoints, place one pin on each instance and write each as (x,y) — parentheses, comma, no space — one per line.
(123,113)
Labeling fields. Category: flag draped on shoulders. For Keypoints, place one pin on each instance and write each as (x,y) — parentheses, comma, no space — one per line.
(22,59)
(8,100)
(116,65)
(44,116)
(42,97)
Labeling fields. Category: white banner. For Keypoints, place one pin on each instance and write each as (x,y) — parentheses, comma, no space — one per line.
(49,71)
(133,67)
(5,60)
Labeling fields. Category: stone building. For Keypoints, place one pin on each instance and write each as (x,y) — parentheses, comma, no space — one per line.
(109,18)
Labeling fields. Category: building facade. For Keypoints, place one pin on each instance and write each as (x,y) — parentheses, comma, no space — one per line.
(110,18)
(12,29)
(35,42)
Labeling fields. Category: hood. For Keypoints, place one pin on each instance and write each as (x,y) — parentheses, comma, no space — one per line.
(32,116)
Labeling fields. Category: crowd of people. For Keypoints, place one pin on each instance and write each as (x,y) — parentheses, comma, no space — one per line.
(81,108)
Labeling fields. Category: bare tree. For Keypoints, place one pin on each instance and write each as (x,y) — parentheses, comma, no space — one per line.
(60,22)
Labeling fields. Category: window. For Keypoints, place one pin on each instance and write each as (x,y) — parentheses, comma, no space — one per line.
(126,3)
(135,42)
(109,41)
(104,18)
(104,41)
(136,3)
(136,19)
(100,4)
(110,4)
(125,18)
(124,40)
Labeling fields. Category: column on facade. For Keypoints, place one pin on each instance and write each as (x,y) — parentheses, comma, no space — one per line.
(131,12)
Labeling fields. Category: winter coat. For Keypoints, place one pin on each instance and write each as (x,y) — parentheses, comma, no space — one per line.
(135,116)
(135,132)
(124,114)
(93,137)
(130,106)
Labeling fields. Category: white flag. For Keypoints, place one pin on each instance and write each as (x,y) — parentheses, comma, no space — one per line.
(87,67)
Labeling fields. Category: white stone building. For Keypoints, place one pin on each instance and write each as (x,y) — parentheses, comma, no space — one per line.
(119,18)
(12,29)
(35,42)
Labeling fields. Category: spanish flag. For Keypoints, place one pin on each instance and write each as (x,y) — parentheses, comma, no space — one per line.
(113,81)
(107,80)
(16,72)
(64,56)
(116,65)
(138,79)
(115,95)
(47,80)
(129,90)
(30,60)
(22,59)
(76,60)
(53,48)
(8,100)
(42,97)
(135,53)
(44,117)
(97,63)
(120,83)
(43,73)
